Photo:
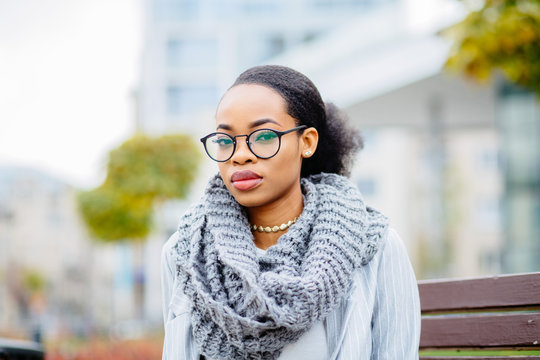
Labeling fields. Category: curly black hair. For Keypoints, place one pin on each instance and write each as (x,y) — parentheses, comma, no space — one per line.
(338,142)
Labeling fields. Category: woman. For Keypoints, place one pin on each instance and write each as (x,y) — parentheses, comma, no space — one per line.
(281,258)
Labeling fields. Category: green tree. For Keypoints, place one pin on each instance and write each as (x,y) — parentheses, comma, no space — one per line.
(499,36)
(140,172)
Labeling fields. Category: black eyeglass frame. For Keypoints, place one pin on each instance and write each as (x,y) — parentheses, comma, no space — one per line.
(279,134)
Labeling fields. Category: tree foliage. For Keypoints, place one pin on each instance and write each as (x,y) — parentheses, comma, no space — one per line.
(501,36)
(33,280)
(140,172)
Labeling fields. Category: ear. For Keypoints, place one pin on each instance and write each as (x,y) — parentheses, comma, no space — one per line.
(308,142)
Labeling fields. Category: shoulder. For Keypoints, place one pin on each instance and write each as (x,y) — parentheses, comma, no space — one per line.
(392,244)
(170,243)
(391,255)
(389,245)
(167,258)
(389,268)
(384,304)
(392,252)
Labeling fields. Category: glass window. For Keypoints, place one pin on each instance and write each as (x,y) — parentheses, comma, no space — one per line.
(191,52)
(186,100)
(519,114)
(488,214)
(488,159)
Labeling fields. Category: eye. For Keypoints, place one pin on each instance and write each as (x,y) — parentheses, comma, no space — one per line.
(264,136)
(222,141)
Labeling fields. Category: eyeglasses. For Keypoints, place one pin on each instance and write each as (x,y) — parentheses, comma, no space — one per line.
(263,143)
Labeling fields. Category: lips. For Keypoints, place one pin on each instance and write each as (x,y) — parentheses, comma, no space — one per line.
(245,180)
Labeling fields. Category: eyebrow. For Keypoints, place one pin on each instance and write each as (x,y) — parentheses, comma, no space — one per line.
(254,124)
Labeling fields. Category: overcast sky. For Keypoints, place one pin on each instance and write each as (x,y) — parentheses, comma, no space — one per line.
(67,70)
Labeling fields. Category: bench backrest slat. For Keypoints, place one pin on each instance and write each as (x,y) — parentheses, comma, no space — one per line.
(481,331)
(500,291)
(484,313)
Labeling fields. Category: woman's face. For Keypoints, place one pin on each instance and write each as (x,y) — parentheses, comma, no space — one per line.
(253,181)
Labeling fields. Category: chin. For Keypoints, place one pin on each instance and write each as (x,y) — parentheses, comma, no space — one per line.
(247,200)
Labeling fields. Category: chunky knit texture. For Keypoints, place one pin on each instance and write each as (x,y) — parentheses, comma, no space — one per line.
(245,306)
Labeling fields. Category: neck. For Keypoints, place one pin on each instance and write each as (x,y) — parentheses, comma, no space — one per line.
(276,213)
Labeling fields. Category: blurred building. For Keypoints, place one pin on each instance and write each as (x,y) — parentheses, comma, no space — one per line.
(450,221)
(518,114)
(193,50)
(53,279)
(438,153)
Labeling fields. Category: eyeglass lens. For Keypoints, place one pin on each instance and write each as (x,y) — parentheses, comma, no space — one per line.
(263,143)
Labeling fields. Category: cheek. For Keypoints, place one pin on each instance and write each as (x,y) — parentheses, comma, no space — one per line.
(222,167)
(291,152)
(287,163)
(225,174)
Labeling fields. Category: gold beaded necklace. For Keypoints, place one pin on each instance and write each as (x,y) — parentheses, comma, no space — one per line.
(275,228)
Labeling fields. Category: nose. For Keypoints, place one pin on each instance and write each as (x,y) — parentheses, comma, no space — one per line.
(242,153)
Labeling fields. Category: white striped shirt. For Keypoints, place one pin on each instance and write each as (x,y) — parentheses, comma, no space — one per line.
(379,320)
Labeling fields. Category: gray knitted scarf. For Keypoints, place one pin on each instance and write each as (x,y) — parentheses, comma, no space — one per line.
(245,306)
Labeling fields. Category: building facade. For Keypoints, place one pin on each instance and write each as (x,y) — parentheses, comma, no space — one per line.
(54,279)
(193,50)
(518,118)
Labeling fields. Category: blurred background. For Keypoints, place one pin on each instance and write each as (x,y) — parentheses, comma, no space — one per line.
(102,104)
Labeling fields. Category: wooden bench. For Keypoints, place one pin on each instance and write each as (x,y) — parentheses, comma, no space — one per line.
(484,318)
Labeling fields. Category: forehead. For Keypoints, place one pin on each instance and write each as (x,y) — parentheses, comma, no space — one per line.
(250,102)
